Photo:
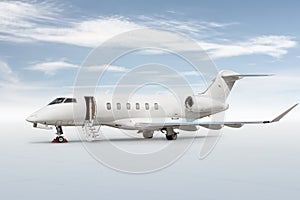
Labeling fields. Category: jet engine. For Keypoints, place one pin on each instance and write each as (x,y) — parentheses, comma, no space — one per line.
(204,104)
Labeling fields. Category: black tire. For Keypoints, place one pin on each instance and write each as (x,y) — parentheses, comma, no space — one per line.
(60,139)
(175,136)
(171,137)
(148,135)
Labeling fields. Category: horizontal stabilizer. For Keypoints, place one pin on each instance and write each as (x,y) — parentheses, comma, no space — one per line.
(240,76)
(223,83)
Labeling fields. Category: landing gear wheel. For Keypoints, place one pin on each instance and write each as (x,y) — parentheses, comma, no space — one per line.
(170,133)
(59,138)
(171,137)
(148,134)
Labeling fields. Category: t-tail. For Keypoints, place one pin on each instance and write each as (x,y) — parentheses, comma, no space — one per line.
(220,88)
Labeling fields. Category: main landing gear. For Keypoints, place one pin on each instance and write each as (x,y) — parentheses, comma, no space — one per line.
(170,133)
(148,134)
(59,138)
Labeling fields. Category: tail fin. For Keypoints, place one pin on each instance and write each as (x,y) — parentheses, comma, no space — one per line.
(223,83)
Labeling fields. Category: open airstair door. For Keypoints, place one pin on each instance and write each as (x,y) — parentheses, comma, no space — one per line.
(91,108)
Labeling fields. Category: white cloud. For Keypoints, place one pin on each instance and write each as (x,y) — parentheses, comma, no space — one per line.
(50,68)
(176,74)
(6,73)
(218,24)
(275,46)
(271,45)
(190,73)
(24,15)
(188,27)
(30,22)
(110,68)
(89,33)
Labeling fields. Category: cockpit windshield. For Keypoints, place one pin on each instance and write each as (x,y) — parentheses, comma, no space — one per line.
(70,100)
(63,100)
(57,101)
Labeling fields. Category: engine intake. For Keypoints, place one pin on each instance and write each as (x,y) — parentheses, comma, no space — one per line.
(198,103)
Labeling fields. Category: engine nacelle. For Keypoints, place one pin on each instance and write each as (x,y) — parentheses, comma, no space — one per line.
(204,104)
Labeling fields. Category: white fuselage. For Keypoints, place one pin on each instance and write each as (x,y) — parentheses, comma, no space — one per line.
(123,112)
(145,113)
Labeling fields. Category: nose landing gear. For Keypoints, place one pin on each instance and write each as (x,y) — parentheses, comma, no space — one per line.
(59,138)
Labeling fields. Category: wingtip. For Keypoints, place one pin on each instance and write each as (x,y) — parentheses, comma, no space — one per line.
(284,113)
(296,104)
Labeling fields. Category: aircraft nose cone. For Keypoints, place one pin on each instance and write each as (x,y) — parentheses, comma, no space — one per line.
(31,118)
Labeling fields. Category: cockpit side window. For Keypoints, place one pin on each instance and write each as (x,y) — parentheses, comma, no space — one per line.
(70,100)
(57,101)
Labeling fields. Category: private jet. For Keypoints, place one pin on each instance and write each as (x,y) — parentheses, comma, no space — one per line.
(144,113)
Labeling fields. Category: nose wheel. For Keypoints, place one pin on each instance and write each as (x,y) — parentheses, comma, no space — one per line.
(59,138)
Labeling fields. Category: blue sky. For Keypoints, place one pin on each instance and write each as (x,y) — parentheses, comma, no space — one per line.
(43,43)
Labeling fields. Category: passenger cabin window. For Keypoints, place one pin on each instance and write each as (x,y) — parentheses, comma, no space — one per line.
(118,106)
(70,100)
(137,106)
(147,106)
(128,106)
(57,101)
(156,106)
(108,106)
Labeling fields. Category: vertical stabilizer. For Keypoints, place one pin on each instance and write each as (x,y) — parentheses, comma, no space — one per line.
(222,85)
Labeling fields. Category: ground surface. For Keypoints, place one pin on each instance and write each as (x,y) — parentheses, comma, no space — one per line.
(249,163)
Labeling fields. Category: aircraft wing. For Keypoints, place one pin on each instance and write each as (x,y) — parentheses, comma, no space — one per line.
(233,124)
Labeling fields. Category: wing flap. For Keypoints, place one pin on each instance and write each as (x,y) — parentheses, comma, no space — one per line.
(234,125)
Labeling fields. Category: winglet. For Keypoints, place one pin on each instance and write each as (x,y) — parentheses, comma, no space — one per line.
(284,113)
